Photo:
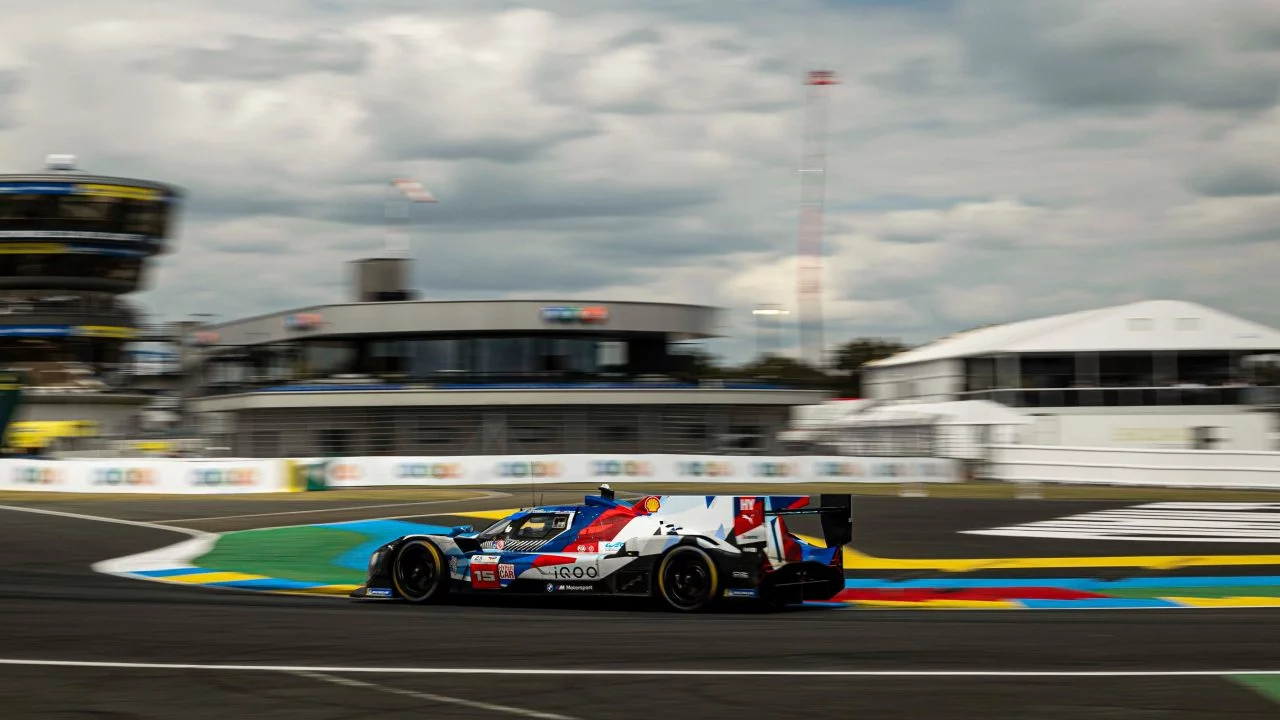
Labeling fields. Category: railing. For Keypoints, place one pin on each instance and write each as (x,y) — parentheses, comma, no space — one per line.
(482,382)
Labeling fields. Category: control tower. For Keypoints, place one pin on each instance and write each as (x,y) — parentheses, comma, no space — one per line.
(73,245)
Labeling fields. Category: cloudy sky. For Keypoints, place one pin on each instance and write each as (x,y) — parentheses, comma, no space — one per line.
(989,161)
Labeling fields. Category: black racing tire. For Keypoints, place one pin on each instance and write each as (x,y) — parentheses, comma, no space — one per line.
(687,579)
(420,573)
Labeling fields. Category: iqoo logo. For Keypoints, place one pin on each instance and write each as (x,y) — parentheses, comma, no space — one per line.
(621,468)
(589,315)
(344,471)
(840,469)
(223,477)
(772,469)
(434,471)
(534,469)
(701,468)
(36,476)
(130,476)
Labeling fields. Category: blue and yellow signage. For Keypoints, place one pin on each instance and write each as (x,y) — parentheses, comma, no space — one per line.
(125,192)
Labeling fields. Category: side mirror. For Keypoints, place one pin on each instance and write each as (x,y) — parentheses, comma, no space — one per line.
(606,492)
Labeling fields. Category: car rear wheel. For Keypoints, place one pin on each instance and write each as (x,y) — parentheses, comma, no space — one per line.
(420,573)
(688,580)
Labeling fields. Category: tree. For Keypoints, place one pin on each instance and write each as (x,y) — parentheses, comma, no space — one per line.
(851,356)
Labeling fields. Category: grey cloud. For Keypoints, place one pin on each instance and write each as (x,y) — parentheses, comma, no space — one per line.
(412,141)
(910,238)
(1237,180)
(1022,46)
(641,36)
(250,58)
(912,77)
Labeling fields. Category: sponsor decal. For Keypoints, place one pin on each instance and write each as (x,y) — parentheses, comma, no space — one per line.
(485,560)
(750,515)
(575,572)
(740,592)
(585,547)
(223,477)
(303,321)
(649,505)
(773,469)
(704,468)
(345,472)
(205,338)
(453,565)
(506,571)
(428,470)
(484,577)
(613,546)
(574,314)
(621,468)
(115,476)
(378,592)
(839,469)
(530,468)
(740,575)
(552,587)
(36,476)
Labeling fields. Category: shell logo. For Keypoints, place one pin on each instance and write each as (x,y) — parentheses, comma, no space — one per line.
(648,505)
(344,471)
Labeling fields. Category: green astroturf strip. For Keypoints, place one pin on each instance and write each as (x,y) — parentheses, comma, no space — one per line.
(297,553)
(1266,685)
(1216,591)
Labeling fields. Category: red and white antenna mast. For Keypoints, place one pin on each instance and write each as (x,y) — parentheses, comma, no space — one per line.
(813,189)
(402,192)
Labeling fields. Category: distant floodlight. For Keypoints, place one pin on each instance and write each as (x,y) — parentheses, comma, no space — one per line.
(60,162)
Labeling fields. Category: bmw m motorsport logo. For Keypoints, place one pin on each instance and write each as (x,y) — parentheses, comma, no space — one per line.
(522,469)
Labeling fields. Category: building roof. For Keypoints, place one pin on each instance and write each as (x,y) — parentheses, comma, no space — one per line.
(1140,326)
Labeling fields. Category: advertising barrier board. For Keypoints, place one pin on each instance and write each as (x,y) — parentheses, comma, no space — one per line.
(546,469)
(161,476)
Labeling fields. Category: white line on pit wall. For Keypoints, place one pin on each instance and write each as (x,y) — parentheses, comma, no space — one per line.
(654,672)
(431,697)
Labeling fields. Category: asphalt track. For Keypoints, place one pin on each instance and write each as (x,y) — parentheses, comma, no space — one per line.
(54,608)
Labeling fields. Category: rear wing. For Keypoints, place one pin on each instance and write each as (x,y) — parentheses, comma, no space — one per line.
(836,513)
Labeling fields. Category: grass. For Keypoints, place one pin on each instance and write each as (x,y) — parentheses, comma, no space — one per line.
(297,553)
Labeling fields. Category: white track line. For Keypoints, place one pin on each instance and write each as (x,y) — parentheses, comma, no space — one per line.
(430,697)
(655,672)
(487,494)
(99,518)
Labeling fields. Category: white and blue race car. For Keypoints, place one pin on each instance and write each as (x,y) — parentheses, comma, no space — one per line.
(687,552)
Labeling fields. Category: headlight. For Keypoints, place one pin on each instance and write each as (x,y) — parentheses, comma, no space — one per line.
(375,559)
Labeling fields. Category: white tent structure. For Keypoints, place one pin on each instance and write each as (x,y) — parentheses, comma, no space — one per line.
(959,429)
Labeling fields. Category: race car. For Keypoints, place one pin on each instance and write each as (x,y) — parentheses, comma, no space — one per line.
(685,552)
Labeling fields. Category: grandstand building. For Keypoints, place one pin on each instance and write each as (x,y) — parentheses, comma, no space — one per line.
(73,245)
(1155,374)
(390,374)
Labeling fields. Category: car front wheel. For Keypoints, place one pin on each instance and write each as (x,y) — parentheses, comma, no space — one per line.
(420,573)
